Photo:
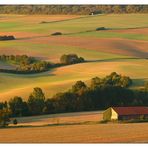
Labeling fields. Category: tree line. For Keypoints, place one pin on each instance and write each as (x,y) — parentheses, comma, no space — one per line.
(27,65)
(111,90)
(72,9)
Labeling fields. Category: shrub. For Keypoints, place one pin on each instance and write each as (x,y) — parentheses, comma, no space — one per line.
(42,22)
(3,38)
(56,33)
(15,122)
(101,28)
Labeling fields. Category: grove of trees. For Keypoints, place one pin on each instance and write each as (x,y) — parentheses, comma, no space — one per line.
(71,59)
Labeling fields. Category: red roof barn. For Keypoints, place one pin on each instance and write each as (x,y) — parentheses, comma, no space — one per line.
(126,113)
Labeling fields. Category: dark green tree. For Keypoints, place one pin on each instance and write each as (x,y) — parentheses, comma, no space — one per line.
(4,117)
(79,85)
(18,107)
(36,101)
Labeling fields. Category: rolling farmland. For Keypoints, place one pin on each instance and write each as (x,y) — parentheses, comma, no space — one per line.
(123,47)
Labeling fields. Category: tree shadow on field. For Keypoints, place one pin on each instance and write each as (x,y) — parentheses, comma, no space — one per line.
(114,59)
(131,49)
(33,37)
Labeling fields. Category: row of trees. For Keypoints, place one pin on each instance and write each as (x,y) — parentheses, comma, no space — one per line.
(72,9)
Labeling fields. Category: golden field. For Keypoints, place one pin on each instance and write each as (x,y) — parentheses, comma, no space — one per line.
(74,128)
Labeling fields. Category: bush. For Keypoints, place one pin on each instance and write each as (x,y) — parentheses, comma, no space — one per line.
(56,33)
(43,22)
(101,28)
(15,122)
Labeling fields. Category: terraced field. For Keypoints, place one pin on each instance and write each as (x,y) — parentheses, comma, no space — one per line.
(121,48)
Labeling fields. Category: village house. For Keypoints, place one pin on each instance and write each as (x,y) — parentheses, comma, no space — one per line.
(126,113)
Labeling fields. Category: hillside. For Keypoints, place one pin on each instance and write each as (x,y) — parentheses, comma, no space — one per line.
(121,48)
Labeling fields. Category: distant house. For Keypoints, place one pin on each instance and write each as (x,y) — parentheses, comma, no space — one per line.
(95,13)
(125,113)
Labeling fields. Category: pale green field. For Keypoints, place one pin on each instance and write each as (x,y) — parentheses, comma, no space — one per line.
(111,54)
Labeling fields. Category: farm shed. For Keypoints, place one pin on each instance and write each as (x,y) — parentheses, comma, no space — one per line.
(125,113)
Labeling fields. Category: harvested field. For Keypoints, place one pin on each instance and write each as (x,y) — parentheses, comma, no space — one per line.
(86,132)
(61,118)
(122,48)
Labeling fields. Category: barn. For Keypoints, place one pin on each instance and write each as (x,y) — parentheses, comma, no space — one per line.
(126,113)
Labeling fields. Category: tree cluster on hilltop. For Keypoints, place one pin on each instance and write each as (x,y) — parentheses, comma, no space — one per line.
(72,9)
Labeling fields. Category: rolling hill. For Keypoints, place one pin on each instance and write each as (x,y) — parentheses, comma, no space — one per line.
(121,48)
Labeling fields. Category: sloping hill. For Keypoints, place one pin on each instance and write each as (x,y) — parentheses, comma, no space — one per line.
(122,48)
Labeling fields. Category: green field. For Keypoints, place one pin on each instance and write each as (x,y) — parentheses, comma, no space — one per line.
(122,48)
